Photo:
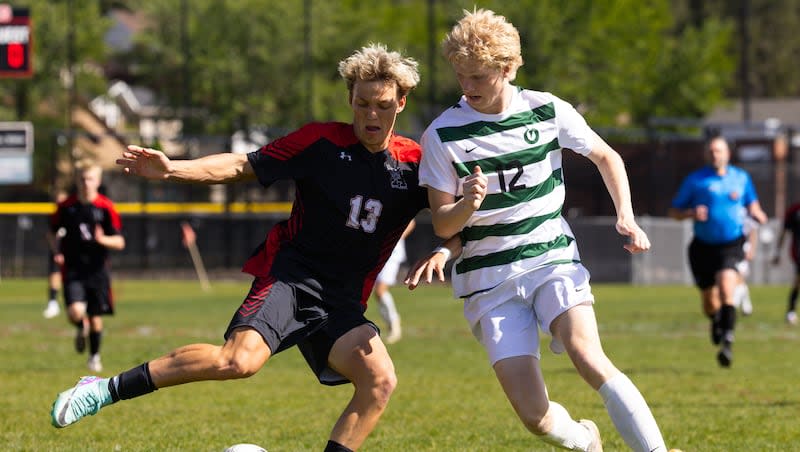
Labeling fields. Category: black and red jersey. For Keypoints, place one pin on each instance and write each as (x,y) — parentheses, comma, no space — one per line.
(81,252)
(351,207)
(791,223)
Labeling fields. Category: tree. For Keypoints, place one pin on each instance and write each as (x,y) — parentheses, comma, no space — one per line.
(43,99)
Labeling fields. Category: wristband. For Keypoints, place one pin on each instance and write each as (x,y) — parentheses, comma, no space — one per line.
(444,250)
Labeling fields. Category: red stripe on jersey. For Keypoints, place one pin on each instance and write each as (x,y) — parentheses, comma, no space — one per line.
(260,263)
(254,300)
(386,250)
(405,149)
(286,147)
(104,202)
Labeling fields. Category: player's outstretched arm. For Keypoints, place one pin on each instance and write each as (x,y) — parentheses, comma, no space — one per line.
(211,169)
(433,263)
(615,177)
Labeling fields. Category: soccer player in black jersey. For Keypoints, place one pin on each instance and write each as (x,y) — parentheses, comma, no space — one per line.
(356,191)
(91,228)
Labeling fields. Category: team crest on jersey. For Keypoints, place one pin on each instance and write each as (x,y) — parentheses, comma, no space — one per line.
(396,169)
(531,136)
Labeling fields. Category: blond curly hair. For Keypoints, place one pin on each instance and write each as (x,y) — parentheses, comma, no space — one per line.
(374,62)
(485,37)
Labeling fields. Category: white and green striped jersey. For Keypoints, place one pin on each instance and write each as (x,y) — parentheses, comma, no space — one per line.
(519,226)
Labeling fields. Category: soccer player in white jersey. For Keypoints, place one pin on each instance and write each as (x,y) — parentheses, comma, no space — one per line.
(492,165)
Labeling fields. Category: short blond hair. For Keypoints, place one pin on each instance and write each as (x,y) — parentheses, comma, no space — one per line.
(374,62)
(86,165)
(487,38)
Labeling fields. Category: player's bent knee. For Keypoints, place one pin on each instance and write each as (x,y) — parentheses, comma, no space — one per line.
(242,362)
(379,386)
(383,388)
(241,365)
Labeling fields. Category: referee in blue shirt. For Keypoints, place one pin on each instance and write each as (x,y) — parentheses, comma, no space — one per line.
(717,198)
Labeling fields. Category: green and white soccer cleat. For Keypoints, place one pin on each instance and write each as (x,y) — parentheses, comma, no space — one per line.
(85,399)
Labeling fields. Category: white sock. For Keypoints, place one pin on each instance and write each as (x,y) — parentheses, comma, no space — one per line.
(387,309)
(631,415)
(566,432)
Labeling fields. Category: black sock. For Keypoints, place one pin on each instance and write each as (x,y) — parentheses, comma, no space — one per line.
(727,322)
(78,324)
(94,341)
(792,300)
(131,383)
(53,294)
(333,446)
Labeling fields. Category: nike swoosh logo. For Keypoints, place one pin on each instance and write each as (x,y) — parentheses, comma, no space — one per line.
(63,413)
(470,150)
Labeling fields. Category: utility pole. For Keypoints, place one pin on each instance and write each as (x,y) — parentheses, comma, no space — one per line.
(309,63)
(744,33)
(187,56)
(432,57)
(70,78)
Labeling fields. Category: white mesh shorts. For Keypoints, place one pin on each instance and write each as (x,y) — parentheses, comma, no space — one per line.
(524,305)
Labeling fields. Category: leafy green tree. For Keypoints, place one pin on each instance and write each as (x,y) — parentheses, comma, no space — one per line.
(43,98)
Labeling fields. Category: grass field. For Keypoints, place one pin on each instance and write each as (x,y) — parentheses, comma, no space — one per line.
(447,398)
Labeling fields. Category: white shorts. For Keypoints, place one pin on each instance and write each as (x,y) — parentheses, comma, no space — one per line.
(527,304)
(388,274)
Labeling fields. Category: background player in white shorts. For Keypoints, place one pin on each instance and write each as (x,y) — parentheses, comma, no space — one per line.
(386,279)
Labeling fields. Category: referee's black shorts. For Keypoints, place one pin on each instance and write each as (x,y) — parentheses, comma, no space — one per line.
(707,259)
(287,315)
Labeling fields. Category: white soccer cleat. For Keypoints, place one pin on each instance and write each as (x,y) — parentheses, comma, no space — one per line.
(791,318)
(52,309)
(395,332)
(94,364)
(597,444)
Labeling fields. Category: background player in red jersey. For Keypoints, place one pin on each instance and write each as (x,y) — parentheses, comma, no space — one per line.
(356,191)
(91,227)
(791,225)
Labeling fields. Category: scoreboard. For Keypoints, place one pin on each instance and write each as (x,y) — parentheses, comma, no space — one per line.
(15,42)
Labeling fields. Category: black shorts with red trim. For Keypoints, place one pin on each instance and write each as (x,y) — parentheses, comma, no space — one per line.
(286,314)
(94,288)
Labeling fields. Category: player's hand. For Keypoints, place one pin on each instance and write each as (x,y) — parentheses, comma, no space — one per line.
(58,258)
(425,269)
(474,188)
(99,234)
(144,162)
(760,216)
(701,213)
(637,238)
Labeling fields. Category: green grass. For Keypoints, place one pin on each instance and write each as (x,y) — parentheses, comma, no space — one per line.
(447,398)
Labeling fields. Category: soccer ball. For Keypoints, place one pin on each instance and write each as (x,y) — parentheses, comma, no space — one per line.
(245,448)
